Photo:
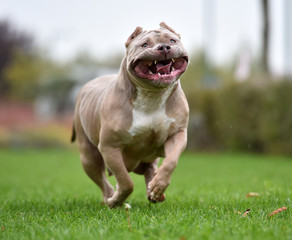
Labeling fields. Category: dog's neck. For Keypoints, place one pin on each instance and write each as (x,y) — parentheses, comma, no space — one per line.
(148,100)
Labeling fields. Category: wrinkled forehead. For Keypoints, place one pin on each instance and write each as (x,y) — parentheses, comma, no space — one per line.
(158,36)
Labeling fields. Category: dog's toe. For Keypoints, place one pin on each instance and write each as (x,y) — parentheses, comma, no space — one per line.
(155,198)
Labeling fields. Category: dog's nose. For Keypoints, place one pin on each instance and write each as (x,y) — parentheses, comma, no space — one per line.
(164,48)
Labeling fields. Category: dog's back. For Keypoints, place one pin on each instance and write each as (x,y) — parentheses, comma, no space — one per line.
(89,100)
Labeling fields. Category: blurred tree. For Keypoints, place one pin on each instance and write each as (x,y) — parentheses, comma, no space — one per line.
(265,36)
(191,78)
(11,41)
(23,74)
(85,58)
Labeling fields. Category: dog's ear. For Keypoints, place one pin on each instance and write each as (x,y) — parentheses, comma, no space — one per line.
(137,31)
(163,25)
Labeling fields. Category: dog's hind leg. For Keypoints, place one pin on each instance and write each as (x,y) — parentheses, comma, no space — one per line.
(93,165)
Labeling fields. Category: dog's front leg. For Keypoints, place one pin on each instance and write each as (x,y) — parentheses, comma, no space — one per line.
(173,147)
(114,162)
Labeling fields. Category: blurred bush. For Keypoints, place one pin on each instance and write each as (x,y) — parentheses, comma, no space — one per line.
(242,117)
(276,118)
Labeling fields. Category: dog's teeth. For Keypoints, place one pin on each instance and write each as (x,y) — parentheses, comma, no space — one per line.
(172,60)
(155,62)
(150,72)
(172,69)
(149,64)
(159,74)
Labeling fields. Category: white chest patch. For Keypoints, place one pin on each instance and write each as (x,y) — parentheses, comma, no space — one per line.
(149,114)
(156,121)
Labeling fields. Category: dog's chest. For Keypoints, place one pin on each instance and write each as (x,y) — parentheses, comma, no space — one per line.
(150,122)
(156,122)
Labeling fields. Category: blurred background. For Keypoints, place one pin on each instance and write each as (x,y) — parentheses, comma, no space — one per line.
(238,84)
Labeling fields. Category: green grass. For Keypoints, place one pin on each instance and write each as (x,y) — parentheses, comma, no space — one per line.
(44,194)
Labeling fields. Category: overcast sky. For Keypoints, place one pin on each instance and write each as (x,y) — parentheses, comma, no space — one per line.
(67,27)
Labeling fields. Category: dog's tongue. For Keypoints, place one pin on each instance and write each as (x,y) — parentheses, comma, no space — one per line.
(163,69)
(141,68)
(179,63)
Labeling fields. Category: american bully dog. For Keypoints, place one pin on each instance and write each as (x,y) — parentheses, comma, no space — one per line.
(128,121)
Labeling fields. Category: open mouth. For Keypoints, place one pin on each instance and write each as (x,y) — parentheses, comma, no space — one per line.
(161,71)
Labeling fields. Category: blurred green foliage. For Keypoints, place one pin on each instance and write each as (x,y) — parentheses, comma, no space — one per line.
(242,117)
(225,114)
(12,43)
(23,74)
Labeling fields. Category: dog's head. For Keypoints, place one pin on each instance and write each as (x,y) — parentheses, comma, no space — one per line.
(156,57)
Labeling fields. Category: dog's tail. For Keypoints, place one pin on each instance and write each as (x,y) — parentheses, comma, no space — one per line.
(73,136)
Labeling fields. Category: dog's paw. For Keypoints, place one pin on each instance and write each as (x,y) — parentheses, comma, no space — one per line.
(118,198)
(156,189)
(155,200)
(115,201)
(112,203)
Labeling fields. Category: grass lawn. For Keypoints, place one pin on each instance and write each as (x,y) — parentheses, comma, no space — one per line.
(44,194)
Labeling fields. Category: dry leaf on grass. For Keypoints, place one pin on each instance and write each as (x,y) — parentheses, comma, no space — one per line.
(278,211)
(245,214)
(252,194)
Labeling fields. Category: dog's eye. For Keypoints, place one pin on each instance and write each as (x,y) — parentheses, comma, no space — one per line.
(145,45)
(172,41)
